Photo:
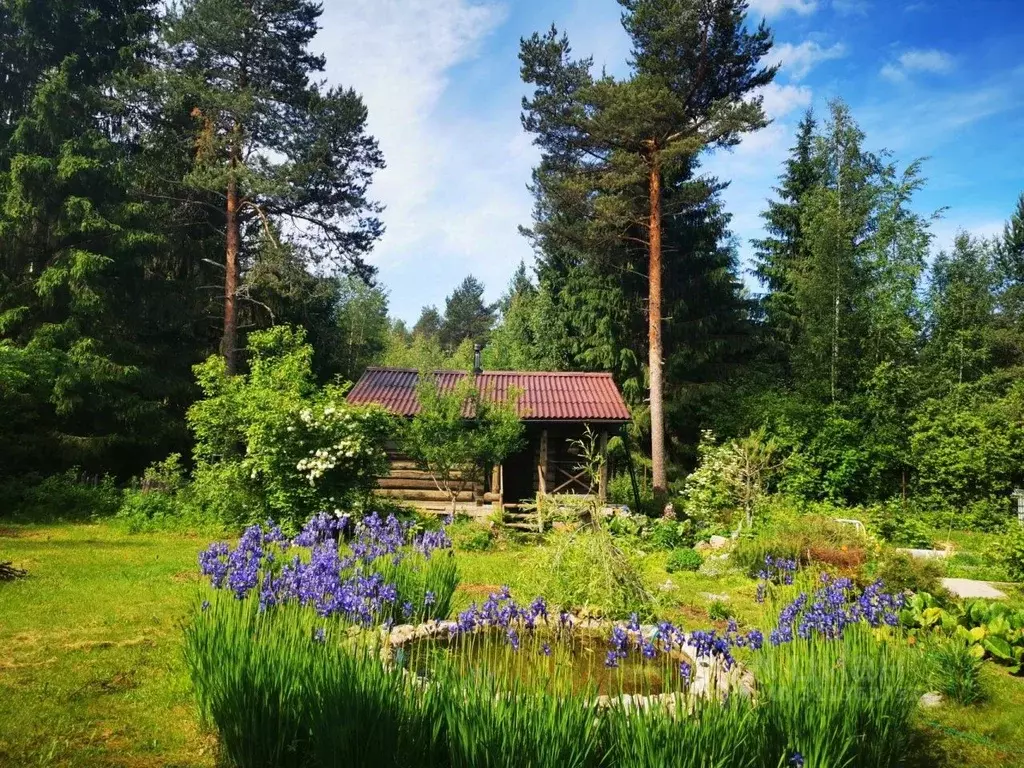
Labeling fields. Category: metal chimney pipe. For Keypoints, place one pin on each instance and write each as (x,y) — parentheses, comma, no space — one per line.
(477,360)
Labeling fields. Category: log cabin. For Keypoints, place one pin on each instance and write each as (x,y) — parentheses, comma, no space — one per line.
(556,408)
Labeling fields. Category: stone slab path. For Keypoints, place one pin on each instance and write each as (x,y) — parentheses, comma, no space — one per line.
(972,588)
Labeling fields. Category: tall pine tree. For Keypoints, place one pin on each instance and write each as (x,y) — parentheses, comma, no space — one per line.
(270,142)
(695,70)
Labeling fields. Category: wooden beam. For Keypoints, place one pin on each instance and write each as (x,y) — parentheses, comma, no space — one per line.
(602,483)
(542,463)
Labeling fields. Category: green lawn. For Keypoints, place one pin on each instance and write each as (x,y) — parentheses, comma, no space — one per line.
(91,671)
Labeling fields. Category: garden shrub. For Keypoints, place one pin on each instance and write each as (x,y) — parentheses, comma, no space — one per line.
(1012,553)
(900,524)
(272,444)
(684,559)
(719,610)
(800,537)
(670,534)
(65,497)
(708,496)
(900,572)
(590,570)
(165,500)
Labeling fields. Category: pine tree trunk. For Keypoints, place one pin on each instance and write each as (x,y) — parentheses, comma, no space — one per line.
(660,476)
(229,341)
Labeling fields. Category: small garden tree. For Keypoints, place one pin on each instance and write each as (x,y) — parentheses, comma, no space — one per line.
(459,433)
(271,443)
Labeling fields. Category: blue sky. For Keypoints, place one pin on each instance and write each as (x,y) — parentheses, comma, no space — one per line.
(940,79)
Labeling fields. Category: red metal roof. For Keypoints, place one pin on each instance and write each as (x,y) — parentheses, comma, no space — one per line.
(544,396)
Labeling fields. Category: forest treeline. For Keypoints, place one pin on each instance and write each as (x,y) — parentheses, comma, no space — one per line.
(155,162)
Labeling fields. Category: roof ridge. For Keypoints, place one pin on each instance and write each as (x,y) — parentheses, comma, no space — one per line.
(394,369)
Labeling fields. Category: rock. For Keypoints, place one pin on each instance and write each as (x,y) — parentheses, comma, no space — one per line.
(718,542)
(925,554)
(931,700)
(668,586)
(972,588)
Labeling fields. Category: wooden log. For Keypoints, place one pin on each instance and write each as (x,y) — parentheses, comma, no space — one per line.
(422,495)
(420,483)
(415,474)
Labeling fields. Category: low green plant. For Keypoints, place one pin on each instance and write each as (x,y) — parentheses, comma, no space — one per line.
(955,670)
(989,629)
(471,536)
(899,524)
(684,559)
(1012,553)
(670,534)
(255,672)
(900,571)
(70,497)
(589,569)
(710,734)
(165,501)
(789,534)
(719,610)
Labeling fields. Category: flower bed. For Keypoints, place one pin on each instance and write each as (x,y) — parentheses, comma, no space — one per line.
(286,648)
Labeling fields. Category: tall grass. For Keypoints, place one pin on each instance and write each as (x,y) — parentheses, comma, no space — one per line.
(285,687)
(839,702)
(710,735)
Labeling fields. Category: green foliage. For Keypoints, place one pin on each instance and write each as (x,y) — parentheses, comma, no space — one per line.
(457,434)
(466,316)
(711,734)
(837,702)
(899,571)
(955,671)
(163,501)
(990,629)
(897,523)
(1012,553)
(271,444)
(790,533)
(589,569)
(708,495)
(670,534)
(471,536)
(66,497)
(719,610)
(683,559)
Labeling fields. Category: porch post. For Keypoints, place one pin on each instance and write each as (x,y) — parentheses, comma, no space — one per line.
(602,483)
(542,463)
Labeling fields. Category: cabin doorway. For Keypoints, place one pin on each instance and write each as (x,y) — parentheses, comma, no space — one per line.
(518,473)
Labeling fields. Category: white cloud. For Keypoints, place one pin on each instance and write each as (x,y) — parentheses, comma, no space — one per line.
(457,162)
(931,61)
(772,8)
(798,60)
(780,100)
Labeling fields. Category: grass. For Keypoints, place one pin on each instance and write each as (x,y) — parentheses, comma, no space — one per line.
(92,670)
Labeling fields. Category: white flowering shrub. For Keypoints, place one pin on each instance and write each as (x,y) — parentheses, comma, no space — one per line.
(272,443)
(709,497)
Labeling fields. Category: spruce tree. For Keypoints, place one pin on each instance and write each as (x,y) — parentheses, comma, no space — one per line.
(695,69)
(466,315)
(428,326)
(270,142)
(778,254)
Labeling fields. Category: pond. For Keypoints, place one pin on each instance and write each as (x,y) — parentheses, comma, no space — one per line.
(540,657)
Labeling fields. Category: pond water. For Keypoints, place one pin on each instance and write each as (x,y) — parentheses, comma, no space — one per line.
(540,658)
